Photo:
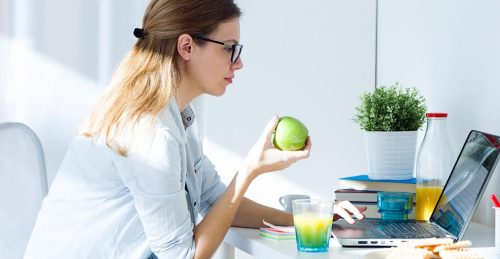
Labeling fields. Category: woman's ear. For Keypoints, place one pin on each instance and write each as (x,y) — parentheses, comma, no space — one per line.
(184,45)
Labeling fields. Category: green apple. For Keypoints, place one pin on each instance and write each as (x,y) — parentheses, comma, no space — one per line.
(290,134)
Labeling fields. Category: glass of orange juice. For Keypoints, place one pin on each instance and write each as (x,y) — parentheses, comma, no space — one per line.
(312,219)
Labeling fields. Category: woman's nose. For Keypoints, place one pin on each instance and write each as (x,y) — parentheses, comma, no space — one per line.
(238,64)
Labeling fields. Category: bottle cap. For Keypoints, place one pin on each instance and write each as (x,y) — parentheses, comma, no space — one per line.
(436,115)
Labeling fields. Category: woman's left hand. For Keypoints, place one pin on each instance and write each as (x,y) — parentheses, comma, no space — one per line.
(345,209)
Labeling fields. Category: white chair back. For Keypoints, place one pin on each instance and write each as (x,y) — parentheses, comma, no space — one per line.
(23,185)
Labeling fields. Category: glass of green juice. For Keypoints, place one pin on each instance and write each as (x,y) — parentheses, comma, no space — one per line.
(312,219)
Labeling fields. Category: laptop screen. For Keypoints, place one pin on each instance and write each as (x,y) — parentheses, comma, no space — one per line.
(467,182)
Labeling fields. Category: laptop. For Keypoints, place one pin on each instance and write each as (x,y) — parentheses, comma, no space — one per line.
(453,211)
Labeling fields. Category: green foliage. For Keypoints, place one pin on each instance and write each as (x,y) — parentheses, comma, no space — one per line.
(391,108)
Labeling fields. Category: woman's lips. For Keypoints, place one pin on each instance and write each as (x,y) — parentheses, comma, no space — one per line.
(229,79)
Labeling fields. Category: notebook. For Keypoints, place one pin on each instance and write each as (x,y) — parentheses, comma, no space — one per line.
(456,206)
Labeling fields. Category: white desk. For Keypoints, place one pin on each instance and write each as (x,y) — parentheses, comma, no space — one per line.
(249,241)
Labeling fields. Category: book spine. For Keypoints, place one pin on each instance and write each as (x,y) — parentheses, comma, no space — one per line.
(362,197)
(377,186)
(371,211)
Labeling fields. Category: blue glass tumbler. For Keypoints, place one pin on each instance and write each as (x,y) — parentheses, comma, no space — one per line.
(395,205)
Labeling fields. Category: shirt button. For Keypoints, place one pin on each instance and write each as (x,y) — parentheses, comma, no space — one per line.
(188,118)
(194,204)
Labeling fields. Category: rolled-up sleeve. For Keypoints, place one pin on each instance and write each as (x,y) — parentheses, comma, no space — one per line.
(211,188)
(154,180)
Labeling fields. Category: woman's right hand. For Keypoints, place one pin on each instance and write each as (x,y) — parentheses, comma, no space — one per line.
(263,157)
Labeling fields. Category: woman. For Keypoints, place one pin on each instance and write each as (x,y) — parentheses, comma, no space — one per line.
(136,183)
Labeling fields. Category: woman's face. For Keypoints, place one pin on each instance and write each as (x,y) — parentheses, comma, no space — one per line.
(210,68)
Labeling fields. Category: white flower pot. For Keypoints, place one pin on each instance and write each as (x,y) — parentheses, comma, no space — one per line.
(391,155)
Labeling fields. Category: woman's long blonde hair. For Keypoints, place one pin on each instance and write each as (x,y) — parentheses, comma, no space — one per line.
(149,75)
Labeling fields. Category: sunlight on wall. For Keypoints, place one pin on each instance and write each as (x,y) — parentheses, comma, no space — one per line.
(50,98)
(266,189)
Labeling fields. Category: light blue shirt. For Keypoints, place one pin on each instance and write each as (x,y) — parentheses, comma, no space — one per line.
(103,205)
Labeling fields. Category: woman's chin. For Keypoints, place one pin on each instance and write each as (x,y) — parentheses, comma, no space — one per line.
(219,91)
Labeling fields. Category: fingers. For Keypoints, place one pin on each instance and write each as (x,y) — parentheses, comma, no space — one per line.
(300,154)
(269,129)
(361,209)
(307,148)
(351,208)
(345,209)
(343,213)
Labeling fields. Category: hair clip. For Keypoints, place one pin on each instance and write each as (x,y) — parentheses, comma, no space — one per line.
(139,33)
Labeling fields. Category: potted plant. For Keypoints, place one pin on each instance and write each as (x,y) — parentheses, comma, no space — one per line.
(391,116)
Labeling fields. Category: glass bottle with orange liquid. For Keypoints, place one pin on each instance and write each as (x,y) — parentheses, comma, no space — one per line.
(434,164)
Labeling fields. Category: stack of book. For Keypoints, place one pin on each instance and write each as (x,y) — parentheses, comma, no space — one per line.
(362,191)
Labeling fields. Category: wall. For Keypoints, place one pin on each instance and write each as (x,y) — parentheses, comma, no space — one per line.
(49,97)
(449,50)
(310,61)
(57,57)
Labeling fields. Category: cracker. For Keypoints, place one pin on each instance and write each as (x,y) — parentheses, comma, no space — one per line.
(459,244)
(410,252)
(432,242)
(431,248)
(460,253)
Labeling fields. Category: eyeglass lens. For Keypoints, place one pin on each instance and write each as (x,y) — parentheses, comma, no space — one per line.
(236,52)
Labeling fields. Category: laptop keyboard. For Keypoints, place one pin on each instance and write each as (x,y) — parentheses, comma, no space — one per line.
(406,230)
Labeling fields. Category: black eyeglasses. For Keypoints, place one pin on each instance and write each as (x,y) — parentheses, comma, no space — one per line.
(234,48)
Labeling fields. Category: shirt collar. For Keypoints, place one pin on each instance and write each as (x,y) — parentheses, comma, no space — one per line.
(187,117)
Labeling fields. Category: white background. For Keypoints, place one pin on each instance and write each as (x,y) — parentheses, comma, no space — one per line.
(307,61)
(450,50)
(311,60)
